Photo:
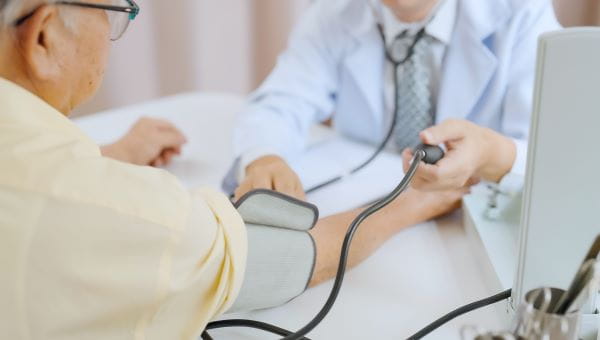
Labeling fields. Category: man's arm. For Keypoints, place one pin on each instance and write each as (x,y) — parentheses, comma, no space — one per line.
(410,208)
(283,259)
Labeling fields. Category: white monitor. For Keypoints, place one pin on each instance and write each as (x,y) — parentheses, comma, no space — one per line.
(561,205)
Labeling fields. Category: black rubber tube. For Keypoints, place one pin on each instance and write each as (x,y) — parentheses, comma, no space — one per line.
(460,311)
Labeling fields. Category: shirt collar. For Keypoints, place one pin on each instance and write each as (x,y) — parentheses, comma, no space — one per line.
(23,110)
(440,25)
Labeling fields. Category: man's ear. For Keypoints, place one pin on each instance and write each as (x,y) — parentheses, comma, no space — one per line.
(37,39)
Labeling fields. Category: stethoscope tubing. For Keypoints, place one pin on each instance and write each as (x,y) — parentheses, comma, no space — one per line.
(396,63)
(341,270)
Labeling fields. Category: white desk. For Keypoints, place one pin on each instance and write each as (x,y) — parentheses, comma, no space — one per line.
(419,275)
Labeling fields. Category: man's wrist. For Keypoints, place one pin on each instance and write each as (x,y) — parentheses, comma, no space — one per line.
(406,210)
(115,151)
(500,154)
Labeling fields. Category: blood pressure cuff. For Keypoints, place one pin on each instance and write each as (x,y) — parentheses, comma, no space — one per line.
(281,252)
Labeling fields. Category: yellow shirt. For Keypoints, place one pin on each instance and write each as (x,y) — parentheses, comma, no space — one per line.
(92,248)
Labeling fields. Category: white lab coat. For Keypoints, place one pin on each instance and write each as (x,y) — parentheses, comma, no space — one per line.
(334,68)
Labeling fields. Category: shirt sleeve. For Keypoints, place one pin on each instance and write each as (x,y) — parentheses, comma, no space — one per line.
(97,273)
(298,93)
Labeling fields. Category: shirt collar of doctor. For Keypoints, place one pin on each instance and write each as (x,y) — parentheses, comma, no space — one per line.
(440,28)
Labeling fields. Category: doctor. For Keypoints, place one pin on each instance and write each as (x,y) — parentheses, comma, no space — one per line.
(467,82)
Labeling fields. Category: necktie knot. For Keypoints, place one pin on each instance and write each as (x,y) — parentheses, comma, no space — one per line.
(400,48)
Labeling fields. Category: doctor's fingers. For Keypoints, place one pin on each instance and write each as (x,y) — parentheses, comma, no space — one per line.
(432,177)
(449,130)
(241,190)
(473,181)
(406,158)
(253,182)
(289,184)
(438,177)
(424,180)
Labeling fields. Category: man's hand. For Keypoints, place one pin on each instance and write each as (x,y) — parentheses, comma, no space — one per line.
(149,142)
(273,173)
(473,153)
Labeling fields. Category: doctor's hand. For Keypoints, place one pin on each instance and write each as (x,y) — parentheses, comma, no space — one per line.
(473,153)
(149,142)
(272,173)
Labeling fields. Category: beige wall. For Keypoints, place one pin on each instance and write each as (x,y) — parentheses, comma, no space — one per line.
(220,45)
(195,45)
(578,12)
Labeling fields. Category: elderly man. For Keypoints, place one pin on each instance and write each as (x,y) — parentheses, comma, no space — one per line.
(94,248)
(454,72)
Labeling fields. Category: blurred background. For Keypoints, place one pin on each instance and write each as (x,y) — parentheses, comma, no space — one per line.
(179,46)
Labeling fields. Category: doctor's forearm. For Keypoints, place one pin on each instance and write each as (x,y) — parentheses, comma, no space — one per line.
(501,156)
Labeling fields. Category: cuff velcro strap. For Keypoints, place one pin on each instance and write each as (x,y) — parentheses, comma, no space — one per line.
(272,209)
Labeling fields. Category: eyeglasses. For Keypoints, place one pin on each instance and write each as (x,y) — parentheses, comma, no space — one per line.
(119,16)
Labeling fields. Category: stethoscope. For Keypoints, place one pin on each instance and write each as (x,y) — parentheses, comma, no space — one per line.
(395,63)
(423,153)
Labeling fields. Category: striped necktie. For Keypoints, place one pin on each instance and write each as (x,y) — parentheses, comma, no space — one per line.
(414,111)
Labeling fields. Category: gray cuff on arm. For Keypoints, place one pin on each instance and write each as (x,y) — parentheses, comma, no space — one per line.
(281,252)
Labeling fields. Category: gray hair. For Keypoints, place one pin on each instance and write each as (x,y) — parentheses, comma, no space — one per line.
(11,9)
(6,7)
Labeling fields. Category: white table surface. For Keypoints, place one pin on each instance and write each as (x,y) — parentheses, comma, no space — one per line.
(420,274)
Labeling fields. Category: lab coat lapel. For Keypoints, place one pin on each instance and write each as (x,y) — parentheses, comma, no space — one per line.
(468,68)
(469,65)
(365,65)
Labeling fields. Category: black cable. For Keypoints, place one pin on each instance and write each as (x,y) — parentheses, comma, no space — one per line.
(460,311)
(363,165)
(206,336)
(370,160)
(419,155)
(251,324)
(390,133)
